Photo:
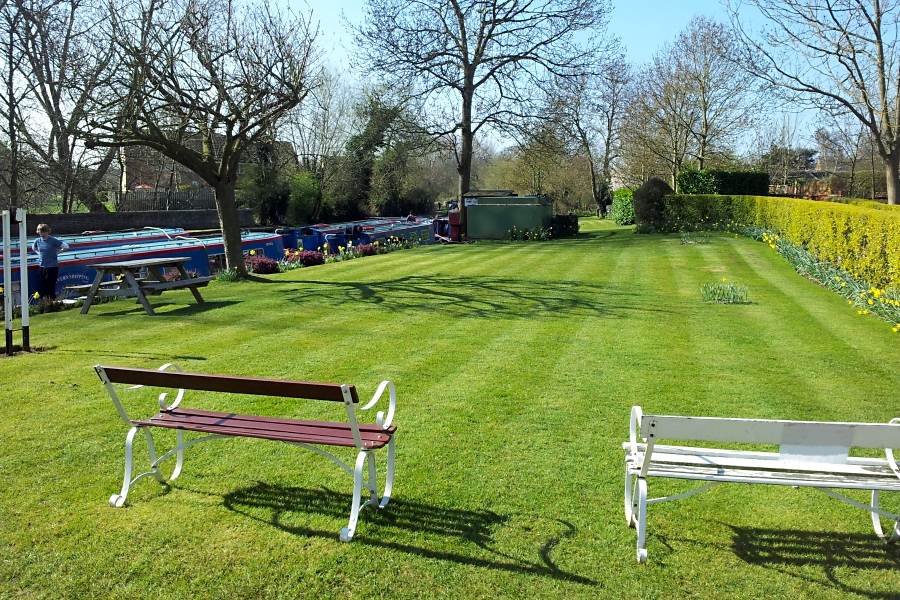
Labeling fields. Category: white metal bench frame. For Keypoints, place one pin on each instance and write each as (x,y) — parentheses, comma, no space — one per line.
(364,458)
(811,454)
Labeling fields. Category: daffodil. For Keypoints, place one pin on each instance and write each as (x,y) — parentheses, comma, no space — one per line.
(871,302)
(724,280)
(253,253)
(35,295)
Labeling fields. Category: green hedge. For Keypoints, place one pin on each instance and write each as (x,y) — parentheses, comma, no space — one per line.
(622,211)
(712,181)
(863,203)
(861,240)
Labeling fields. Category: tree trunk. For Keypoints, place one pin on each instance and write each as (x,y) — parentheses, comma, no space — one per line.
(892,171)
(231,230)
(464,165)
(464,161)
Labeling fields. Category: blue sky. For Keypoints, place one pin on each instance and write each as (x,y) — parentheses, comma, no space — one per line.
(643,25)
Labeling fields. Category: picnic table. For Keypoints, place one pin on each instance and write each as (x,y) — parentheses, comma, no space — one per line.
(127,281)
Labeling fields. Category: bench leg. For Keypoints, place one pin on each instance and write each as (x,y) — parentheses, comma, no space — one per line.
(641,518)
(629,497)
(363,457)
(876,523)
(389,477)
(118,500)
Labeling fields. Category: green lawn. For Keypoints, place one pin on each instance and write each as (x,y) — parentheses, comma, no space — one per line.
(516,367)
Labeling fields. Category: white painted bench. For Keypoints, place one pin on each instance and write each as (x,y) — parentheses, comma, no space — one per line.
(366,439)
(811,454)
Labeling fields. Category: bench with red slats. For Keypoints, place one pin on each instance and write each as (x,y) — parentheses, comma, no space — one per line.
(350,434)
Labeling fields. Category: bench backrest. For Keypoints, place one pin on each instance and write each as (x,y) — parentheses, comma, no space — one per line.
(227,383)
(799,440)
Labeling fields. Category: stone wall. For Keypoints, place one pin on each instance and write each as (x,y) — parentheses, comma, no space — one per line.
(79,222)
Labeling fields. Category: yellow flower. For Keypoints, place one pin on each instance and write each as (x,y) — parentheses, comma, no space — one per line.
(843,284)
(724,280)
(836,278)
(871,302)
(252,252)
(896,329)
(1,289)
(35,295)
(859,312)
(849,301)
(865,312)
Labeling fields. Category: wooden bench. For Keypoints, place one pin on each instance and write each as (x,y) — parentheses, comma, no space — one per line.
(307,434)
(811,454)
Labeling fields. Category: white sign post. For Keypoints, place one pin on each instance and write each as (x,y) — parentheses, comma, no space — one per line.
(7,283)
(23,278)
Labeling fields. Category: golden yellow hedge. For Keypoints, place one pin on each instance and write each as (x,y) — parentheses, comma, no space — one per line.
(861,240)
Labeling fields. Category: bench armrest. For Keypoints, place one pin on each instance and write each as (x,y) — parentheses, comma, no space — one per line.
(634,430)
(890,453)
(380,420)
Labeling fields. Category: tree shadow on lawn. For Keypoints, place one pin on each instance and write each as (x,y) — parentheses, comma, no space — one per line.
(275,505)
(834,553)
(481,297)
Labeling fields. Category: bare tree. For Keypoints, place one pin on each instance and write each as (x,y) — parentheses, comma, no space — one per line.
(593,107)
(842,140)
(705,58)
(64,58)
(11,95)
(200,81)
(835,55)
(475,63)
(663,115)
(320,128)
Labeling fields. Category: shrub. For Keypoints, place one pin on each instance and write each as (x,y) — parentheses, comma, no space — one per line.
(753,183)
(564,225)
(649,206)
(622,212)
(310,258)
(366,249)
(261,265)
(692,181)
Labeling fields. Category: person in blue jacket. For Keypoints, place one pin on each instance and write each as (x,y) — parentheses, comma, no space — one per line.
(48,248)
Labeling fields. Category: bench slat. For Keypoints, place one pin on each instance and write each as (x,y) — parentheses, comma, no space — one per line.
(267,425)
(716,452)
(337,437)
(228,383)
(762,431)
(806,479)
(661,459)
(191,412)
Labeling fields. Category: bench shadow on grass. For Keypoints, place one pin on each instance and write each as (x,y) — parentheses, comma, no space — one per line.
(833,553)
(184,311)
(481,297)
(275,505)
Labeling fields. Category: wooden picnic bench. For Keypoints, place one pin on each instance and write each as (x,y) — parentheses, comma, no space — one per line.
(128,283)
(811,454)
(311,435)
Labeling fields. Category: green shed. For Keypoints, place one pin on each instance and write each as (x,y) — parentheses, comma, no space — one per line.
(493,217)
